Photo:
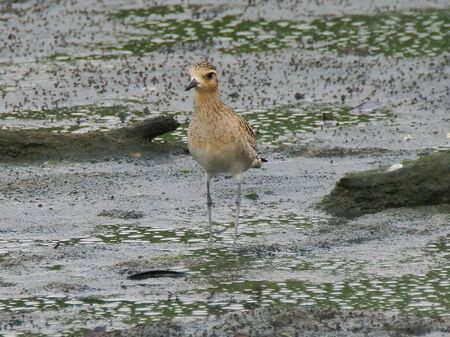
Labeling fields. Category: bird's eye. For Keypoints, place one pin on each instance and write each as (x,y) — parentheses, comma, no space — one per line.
(210,75)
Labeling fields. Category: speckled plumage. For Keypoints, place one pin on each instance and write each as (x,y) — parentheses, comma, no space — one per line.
(203,66)
(219,139)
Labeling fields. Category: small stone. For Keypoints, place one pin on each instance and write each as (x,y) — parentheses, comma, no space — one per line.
(299,96)
(253,195)
(394,167)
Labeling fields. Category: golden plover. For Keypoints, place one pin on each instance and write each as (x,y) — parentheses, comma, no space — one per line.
(219,139)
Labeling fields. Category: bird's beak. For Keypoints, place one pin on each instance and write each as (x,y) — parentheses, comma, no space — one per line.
(194,84)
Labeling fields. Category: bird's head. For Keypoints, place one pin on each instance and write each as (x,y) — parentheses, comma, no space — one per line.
(203,77)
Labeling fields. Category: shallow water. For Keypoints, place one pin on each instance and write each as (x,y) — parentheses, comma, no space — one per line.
(75,119)
(229,279)
(223,287)
(278,260)
(272,126)
(286,123)
(406,34)
(407,294)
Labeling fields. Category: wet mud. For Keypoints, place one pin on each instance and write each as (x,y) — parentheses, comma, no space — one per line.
(330,87)
(291,321)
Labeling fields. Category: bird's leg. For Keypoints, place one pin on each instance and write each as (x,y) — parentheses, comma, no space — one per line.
(238,208)
(209,204)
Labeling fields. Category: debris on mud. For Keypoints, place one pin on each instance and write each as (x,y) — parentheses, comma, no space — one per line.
(156,274)
(120,214)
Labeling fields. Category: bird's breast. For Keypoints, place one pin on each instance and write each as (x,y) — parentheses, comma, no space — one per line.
(217,148)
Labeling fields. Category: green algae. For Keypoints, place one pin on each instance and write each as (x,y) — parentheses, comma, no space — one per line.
(70,119)
(423,33)
(145,12)
(227,282)
(424,295)
(270,125)
(402,34)
(282,124)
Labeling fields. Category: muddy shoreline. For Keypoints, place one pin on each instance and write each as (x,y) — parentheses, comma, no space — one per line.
(292,321)
(73,230)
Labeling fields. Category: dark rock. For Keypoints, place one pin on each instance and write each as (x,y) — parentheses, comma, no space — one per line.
(299,96)
(425,181)
(97,332)
(120,214)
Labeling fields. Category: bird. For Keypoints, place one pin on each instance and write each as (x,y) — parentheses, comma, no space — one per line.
(219,139)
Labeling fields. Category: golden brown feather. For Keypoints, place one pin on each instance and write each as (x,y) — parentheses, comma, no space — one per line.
(219,139)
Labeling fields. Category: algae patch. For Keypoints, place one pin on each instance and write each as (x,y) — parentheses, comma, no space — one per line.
(145,12)
(284,123)
(74,119)
(408,294)
(403,34)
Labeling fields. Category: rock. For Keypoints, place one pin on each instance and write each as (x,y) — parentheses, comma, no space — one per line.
(425,181)
(148,129)
(121,214)
(97,332)
(299,96)
(31,145)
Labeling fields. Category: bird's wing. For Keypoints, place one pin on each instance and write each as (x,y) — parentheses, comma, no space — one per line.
(250,137)
(246,127)
(249,134)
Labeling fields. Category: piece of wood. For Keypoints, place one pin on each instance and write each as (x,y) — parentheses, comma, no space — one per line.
(36,145)
(157,274)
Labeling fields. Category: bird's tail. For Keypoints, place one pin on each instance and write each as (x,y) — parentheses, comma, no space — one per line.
(257,162)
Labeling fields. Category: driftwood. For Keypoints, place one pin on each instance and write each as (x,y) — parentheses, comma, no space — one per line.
(32,145)
(425,181)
